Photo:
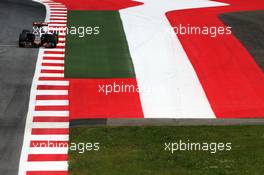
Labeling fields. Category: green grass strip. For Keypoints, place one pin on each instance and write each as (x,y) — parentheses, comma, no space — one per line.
(140,151)
(105,55)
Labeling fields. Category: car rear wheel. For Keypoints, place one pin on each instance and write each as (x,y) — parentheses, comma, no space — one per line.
(53,41)
(25,31)
(22,39)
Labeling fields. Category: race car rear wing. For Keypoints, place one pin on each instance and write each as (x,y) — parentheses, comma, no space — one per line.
(40,24)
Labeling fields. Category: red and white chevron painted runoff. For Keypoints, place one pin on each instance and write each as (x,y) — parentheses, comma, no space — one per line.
(45,147)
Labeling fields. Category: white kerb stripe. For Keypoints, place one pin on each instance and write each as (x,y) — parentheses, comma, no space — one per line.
(53,61)
(53,83)
(52,67)
(51,75)
(62,34)
(52,102)
(56,49)
(61,44)
(51,125)
(58,14)
(58,17)
(58,8)
(52,92)
(58,11)
(58,20)
(49,137)
(54,55)
(57,25)
(52,3)
(52,113)
(47,166)
(49,150)
(57,5)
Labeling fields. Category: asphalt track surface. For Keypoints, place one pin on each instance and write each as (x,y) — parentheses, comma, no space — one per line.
(17,67)
(248,27)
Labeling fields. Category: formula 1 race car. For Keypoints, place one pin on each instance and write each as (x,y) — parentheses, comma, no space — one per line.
(39,37)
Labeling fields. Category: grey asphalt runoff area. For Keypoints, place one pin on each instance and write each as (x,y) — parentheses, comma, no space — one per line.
(248,27)
(17,67)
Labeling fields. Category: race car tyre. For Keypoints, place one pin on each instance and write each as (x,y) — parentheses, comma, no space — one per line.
(25,31)
(22,38)
(53,41)
(56,37)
